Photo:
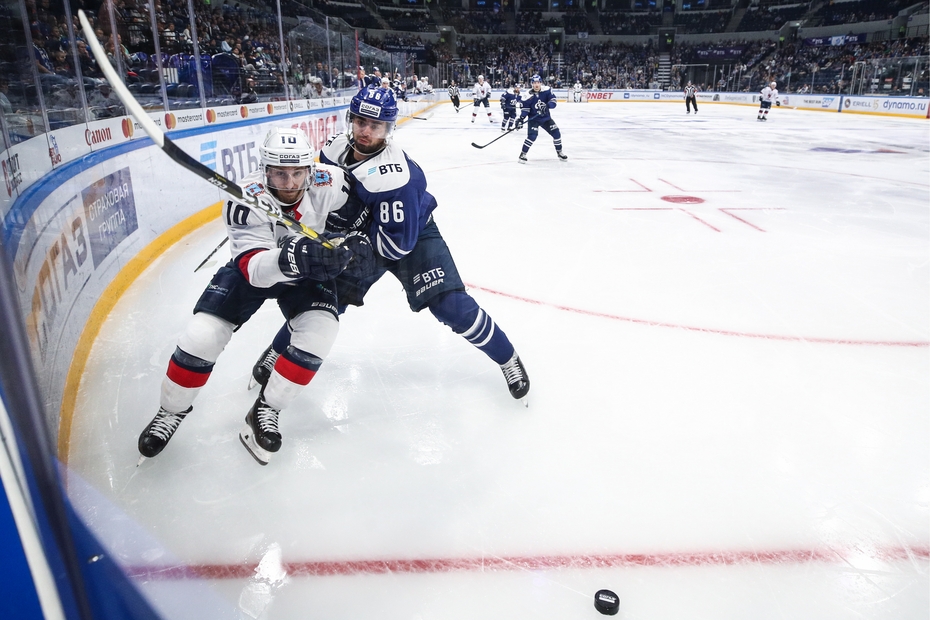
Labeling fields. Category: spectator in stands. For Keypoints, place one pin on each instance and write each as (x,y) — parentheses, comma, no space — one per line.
(89,66)
(248,93)
(323,74)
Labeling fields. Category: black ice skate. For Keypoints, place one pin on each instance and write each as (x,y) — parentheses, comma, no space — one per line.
(562,156)
(159,431)
(260,435)
(518,382)
(261,371)
(522,158)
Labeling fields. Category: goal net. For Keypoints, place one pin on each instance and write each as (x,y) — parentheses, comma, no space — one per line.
(577,97)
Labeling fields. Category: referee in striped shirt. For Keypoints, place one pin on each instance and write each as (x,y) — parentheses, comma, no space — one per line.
(454,95)
(690,99)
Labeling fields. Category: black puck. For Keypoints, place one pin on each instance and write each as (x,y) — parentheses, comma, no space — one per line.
(606,602)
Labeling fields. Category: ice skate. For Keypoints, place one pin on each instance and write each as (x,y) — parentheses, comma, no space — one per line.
(518,382)
(159,431)
(522,159)
(562,156)
(263,367)
(260,435)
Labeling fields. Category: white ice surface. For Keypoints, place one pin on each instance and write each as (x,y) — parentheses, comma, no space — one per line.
(730,404)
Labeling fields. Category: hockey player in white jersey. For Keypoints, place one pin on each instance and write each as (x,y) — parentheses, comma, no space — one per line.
(767,97)
(269,261)
(576,92)
(481,94)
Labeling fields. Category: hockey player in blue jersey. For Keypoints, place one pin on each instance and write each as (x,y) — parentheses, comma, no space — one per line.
(510,104)
(535,111)
(396,211)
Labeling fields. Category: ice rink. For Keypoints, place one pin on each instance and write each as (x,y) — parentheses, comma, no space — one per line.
(726,326)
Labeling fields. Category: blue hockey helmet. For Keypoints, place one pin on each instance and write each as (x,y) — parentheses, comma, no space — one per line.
(536,78)
(375,103)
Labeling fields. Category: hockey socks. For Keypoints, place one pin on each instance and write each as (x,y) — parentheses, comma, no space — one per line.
(185,376)
(463,315)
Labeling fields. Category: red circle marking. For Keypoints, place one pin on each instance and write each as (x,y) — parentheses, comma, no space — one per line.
(683,200)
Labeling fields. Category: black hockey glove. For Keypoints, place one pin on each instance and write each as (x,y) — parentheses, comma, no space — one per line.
(778,103)
(305,258)
(353,215)
(363,256)
(519,124)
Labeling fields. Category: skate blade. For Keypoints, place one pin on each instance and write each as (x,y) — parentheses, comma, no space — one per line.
(258,453)
(526,401)
(142,459)
(252,383)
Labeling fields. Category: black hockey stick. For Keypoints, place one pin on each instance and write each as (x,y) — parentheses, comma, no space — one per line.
(174,151)
(210,255)
(481,146)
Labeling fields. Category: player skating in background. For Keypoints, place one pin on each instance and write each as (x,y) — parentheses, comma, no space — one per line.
(268,262)
(535,110)
(690,97)
(454,95)
(481,93)
(768,95)
(395,208)
(510,104)
(576,92)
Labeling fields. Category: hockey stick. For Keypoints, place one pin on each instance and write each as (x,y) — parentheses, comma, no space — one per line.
(173,150)
(210,255)
(481,146)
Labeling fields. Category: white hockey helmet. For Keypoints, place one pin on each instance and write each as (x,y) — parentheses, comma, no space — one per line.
(480,77)
(773,84)
(285,147)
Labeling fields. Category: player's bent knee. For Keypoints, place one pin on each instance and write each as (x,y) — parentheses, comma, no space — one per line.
(314,332)
(456,309)
(206,336)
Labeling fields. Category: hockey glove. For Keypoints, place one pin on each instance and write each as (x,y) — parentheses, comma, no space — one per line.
(363,256)
(778,103)
(305,258)
(353,215)
(519,124)
(551,103)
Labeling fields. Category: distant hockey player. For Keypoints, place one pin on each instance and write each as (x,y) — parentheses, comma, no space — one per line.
(768,95)
(454,95)
(481,93)
(268,262)
(535,108)
(576,92)
(398,211)
(510,104)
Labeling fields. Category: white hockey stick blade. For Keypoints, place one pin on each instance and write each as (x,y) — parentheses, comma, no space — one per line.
(173,150)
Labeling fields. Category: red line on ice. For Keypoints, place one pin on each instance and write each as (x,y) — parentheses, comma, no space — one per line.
(539,562)
(709,330)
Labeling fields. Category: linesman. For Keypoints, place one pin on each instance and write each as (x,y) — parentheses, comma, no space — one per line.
(690,98)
